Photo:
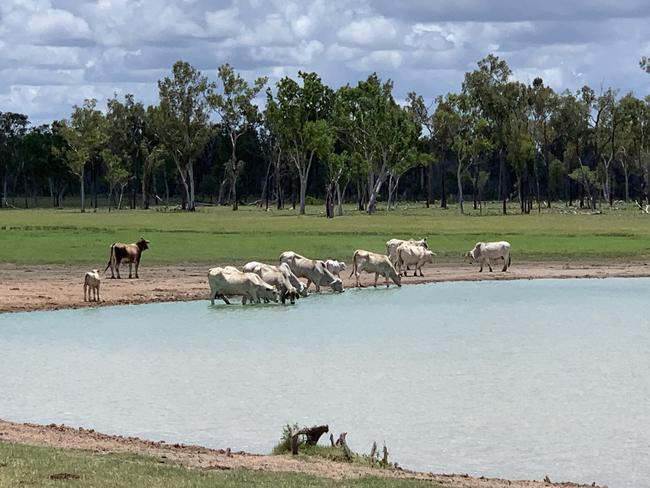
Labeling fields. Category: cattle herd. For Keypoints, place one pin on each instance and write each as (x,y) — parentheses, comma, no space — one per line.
(257,282)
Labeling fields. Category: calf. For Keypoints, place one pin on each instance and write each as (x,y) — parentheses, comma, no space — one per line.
(91,284)
(130,253)
(335,267)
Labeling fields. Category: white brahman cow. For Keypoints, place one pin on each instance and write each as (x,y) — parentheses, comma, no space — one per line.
(483,252)
(371,262)
(408,254)
(229,281)
(274,276)
(393,244)
(312,269)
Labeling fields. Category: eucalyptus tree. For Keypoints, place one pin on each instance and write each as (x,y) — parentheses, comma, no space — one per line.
(85,136)
(469,132)
(13,127)
(293,114)
(126,128)
(634,147)
(645,64)
(607,137)
(543,104)
(422,114)
(238,113)
(489,90)
(377,132)
(182,121)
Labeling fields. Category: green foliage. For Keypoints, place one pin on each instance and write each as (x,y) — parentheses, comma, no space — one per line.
(557,178)
(284,445)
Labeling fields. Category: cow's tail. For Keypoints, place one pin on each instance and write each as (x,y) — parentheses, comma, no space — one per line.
(509,260)
(110,258)
(354,263)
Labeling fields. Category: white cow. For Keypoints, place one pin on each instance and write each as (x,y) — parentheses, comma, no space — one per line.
(335,267)
(314,270)
(286,271)
(393,244)
(408,254)
(371,262)
(230,281)
(274,276)
(483,252)
(91,283)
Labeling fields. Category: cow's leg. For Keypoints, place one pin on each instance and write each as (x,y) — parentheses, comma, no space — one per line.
(505,263)
(308,284)
(489,265)
(225,299)
(386,278)
(85,288)
(130,269)
(117,269)
(137,265)
(376,278)
(480,270)
(356,275)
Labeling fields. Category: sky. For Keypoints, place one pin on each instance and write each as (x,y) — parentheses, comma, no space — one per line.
(56,53)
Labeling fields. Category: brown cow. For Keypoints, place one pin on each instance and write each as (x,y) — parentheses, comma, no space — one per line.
(131,253)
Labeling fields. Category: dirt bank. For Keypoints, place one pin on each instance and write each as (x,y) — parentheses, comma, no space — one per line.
(27,288)
(201,457)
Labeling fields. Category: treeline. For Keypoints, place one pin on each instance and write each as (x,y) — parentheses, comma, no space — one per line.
(208,141)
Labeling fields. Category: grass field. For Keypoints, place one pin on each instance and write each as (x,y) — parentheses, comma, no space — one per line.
(219,235)
(38,466)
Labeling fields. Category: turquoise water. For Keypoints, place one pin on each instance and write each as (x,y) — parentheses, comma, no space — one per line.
(516,379)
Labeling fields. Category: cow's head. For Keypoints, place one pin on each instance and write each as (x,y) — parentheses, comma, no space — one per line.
(269,293)
(336,285)
(429,256)
(143,244)
(342,266)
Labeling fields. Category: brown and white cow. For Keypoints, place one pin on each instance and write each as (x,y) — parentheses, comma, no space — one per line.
(371,262)
(129,253)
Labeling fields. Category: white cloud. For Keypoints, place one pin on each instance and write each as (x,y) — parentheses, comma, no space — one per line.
(371,31)
(54,53)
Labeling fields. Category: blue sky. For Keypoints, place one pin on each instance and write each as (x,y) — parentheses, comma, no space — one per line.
(55,53)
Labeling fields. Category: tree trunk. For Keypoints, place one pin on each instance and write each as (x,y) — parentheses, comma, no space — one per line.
(339,199)
(627,183)
(83,191)
(443,187)
(303,192)
(190,175)
(502,182)
(460,186)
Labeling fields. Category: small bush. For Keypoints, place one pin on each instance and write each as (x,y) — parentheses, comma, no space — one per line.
(284,446)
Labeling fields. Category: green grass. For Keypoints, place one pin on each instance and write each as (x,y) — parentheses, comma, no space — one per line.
(38,466)
(219,235)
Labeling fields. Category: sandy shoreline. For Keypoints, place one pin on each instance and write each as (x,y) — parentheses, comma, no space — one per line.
(51,287)
(61,436)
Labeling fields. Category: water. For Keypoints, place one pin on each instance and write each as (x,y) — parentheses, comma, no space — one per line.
(514,379)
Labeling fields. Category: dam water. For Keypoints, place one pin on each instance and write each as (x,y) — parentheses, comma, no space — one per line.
(519,379)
